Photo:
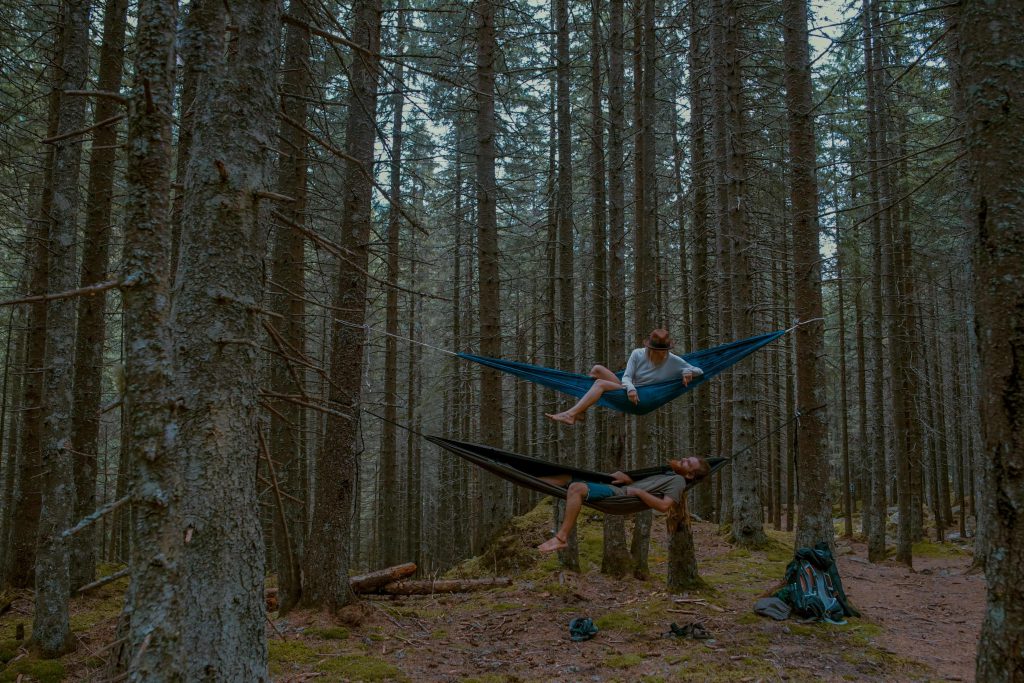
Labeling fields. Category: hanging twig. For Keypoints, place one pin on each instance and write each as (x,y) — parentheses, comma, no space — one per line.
(280,507)
(95,517)
(83,131)
(104,580)
(339,251)
(308,404)
(81,291)
(106,94)
(358,164)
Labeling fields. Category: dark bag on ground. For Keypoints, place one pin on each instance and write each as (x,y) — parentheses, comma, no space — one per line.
(813,587)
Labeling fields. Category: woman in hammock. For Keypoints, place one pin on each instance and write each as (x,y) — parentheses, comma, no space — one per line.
(651,364)
(661,492)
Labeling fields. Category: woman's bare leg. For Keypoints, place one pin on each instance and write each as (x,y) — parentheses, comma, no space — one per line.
(604,380)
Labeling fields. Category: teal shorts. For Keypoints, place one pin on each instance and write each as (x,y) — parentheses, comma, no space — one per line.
(601,491)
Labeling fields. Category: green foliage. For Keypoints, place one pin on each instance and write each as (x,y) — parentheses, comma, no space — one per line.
(623,661)
(286,654)
(512,550)
(9,650)
(359,668)
(937,550)
(40,670)
(329,633)
(619,621)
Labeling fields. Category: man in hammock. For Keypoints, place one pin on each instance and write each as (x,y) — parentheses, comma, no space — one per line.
(662,492)
(651,364)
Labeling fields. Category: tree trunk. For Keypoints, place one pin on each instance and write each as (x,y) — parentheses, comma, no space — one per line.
(91,325)
(51,630)
(815,524)
(287,419)
(154,626)
(25,521)
(215,320)
(876,454)
(615,558)
(388,511)
(992,47)
(702,276)
(493,489)
(326,562)
(747,515)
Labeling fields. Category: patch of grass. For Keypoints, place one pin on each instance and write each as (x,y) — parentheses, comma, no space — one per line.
(9,650)
(491,678)
(512,549)
(294,651)
(619,621)
(89,613)
(623,661)
(329,633)
(439,634)
(359,668)
(749,618)
(937,550)
(652,679)
(41,670)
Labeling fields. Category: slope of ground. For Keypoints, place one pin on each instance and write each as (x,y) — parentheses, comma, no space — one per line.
(917,626)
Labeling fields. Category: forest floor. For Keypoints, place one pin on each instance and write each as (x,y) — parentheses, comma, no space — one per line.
(919,625)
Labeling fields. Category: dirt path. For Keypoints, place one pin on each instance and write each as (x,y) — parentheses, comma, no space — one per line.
(932,615)
(919,626)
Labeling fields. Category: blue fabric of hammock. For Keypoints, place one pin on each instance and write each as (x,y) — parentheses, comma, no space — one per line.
(712,361)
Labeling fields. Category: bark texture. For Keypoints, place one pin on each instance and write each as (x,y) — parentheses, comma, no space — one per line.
(286,298)
(91,325)
(325,565)
(815,522)
(50,627)
(492,489)
(992,52)
(151,652)
(219,289)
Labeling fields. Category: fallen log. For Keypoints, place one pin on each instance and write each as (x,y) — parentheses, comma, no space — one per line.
(428,586)
(368,583)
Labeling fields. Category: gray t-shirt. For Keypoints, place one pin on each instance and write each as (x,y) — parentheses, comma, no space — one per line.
(670,486)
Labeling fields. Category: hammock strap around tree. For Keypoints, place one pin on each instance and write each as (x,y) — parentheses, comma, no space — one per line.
(712,361)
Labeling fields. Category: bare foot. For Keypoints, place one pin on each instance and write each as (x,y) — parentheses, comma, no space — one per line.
(552,544)
(564,418)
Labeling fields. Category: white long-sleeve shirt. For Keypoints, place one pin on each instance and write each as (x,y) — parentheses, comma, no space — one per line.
(640,370)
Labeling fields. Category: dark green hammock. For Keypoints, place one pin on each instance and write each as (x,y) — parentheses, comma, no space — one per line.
(651,396)
(523,470)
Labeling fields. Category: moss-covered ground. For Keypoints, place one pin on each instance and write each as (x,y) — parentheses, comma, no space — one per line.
(519,633)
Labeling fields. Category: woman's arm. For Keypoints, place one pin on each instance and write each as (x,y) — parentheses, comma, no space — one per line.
(650,500)
(627,375)
(686,370)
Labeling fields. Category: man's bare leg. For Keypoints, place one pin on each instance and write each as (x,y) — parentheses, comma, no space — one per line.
(573,503)
(557,479)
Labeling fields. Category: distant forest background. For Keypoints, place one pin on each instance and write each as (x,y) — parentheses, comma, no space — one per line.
(241,242)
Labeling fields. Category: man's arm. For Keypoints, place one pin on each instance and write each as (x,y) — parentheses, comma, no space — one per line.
(621,478)
(650,500)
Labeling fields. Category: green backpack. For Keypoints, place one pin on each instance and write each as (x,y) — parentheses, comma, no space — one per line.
(813,587)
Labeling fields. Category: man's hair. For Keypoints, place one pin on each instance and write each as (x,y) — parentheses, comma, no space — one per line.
(703,470)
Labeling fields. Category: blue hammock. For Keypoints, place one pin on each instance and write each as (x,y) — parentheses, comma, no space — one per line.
(652,396)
